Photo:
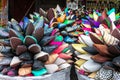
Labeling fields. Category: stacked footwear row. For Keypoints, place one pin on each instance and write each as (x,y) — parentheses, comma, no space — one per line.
(99,45)
(34,47)
(46,42)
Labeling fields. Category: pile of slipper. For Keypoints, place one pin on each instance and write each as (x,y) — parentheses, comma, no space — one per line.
(35,46)
(99,46)
(46,42)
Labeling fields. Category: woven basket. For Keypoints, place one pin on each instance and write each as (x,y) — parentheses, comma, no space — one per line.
(61,75)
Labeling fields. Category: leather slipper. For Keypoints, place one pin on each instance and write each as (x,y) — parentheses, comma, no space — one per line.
(100,59)
(30,40)
(42,56)
(34,48)
(78,47)
(21,49)
(24,71)
(15,61)
(30,29)
(14,42)
(51,68)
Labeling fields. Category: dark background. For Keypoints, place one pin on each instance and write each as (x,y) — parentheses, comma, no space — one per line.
(20,8)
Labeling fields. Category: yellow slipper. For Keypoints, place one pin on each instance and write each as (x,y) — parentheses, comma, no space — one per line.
(78,47)
(80,62)
(61,18)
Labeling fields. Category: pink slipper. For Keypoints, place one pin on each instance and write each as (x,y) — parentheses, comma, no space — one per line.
(58,43)
(60,49)
(64,56)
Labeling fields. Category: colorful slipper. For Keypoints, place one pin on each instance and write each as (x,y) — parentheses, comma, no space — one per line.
(116,33)
(25,56)
(49,49)
(15,25)
(65,56)
(50,14)
(61,18)
(30,29)
(21,49)
(100,59)
(14,42)
(78,47)
(87,40)
(24,71)
(5,61)
(13,33)
(37,65)
(15,61)
(80,62)
(84,56)
(51,68)
(45,40)
(95,38)
(42,56)
(109,39)
(90,50)
(39,72)
(30,40)
(91,66)
(102,49)
(34,48)
(38,33)
(52,58)
(114,50)
(59,61)
(60,49)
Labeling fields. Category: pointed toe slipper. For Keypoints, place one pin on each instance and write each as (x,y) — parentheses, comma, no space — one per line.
(30,29)
(38,33)
(60,49)
(34,48)
(30,40)
(59,61)
(21,49)
(46,39)
(78,47)
(51,68)
(24,71)
(90,50)
(14,42)
(52,58)
(100,59)
(92,66)
(25,56)
(37,65)
(49,49)
(42,56)
(87,40)
(85,56)
(95,38)
(102,49)
(80,62)
(15,61)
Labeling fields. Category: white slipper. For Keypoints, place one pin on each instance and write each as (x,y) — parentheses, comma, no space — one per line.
(51,68)
(91,66)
